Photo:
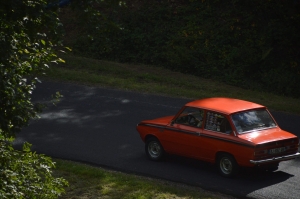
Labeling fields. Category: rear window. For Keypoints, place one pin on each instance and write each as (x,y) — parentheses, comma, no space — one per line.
(252,120)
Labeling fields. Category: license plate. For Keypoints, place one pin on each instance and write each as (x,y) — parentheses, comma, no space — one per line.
(277,150)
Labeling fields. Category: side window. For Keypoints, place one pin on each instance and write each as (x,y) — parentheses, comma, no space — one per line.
(191,116)
(217,122)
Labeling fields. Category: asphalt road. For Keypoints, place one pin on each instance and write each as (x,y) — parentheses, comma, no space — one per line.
(97,126)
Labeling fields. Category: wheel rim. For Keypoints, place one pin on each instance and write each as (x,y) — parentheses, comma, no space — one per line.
(154,149)
(226,165)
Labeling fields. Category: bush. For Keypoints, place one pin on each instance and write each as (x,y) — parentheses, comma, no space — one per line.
(237,42)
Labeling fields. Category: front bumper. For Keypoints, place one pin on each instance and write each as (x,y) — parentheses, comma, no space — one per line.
(276,159)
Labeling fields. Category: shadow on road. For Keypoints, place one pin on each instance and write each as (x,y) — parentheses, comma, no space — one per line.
(205,175)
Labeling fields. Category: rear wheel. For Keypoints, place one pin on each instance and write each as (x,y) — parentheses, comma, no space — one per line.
(153,149)
(227,165)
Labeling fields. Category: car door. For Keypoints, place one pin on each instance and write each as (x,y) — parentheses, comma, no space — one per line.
(216,135)
(182,136)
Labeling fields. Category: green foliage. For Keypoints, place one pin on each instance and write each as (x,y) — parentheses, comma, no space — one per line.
(25,52)
(245,43)
(25,174)
(29,32)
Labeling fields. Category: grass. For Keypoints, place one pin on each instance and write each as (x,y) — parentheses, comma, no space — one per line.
(87,182)
(158,80)
(92,182)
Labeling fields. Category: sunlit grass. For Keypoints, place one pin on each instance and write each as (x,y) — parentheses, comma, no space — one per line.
(94,182)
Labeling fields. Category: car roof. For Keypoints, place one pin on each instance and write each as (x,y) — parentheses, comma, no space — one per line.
(224,105)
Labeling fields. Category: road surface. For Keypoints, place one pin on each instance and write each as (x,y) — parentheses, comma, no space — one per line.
(97,126)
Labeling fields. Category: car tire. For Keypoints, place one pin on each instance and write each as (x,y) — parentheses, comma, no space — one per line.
(154,149)
(227,165)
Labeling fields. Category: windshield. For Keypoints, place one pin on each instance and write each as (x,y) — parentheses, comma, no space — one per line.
(252,120)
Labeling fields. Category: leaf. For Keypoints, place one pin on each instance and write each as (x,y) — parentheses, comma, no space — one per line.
(61,60)
(68,48)
(38,80)
(26,147)
(43,42)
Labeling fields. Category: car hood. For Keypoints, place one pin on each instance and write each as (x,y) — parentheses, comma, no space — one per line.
(267,135)
(159,121)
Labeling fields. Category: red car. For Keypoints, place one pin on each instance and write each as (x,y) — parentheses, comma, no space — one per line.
(228,132)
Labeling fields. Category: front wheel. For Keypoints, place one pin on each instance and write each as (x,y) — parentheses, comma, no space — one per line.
(227,165)
(153,149)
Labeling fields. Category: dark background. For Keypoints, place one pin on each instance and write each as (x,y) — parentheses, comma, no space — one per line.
(248,43)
